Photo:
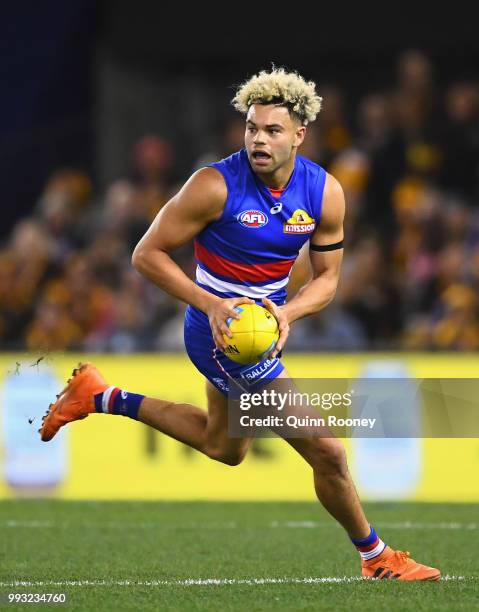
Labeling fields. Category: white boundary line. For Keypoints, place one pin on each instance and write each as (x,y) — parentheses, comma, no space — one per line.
(380,524)
(207,581)
(38,524)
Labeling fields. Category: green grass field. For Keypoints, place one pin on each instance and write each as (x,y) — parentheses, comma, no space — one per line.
(265,556)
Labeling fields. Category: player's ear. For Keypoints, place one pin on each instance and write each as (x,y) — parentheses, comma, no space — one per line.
(299,136)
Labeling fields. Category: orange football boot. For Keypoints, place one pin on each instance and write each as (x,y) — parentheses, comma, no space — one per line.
(397,565)
(75,401)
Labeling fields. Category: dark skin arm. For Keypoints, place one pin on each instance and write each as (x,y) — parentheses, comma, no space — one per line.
(200,201)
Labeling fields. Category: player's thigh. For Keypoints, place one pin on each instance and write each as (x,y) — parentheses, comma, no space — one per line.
(217,424)
(318,446)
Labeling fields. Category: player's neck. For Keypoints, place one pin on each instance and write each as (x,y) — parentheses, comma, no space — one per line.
(279,179)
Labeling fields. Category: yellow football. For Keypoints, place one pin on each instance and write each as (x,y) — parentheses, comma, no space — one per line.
(255,334)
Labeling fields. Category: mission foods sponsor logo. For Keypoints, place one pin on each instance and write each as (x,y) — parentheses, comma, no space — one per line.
(252,218)
(299,223)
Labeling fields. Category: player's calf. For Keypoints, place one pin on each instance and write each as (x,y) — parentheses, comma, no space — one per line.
(326,456)
(228,456)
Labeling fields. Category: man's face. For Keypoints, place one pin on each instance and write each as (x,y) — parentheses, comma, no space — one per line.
(272,136)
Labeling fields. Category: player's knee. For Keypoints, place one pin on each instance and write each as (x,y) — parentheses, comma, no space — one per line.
(329,457)
(229,457)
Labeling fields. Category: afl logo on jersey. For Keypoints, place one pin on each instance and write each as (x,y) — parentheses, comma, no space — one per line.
(252,218)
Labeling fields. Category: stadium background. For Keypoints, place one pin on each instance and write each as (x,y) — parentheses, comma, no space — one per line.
(109,107)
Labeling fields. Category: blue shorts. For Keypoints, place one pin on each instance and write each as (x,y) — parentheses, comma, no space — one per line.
(214,364)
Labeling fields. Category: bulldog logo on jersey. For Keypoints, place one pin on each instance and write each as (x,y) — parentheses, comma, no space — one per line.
(252,218)
(299,223)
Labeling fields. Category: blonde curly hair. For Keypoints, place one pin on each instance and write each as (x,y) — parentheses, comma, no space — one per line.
(282,88)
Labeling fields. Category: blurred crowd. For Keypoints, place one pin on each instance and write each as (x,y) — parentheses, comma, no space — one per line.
(407,157)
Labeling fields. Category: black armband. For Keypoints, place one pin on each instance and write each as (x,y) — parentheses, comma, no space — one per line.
(327,247)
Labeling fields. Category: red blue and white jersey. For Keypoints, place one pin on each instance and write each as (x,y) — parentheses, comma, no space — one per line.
(250,250)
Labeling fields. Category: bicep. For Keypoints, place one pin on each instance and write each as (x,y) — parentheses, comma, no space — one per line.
(330,228)
(199,202)
(329,232)
(174,226)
